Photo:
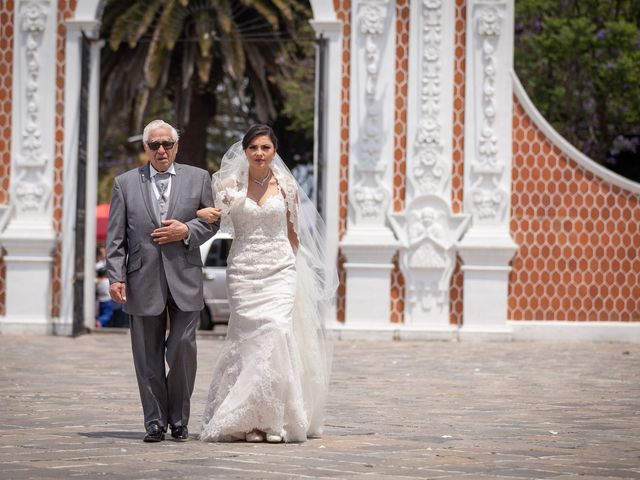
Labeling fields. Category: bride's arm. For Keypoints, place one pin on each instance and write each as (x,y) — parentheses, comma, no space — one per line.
(212,214)
(291,231)
(208,214)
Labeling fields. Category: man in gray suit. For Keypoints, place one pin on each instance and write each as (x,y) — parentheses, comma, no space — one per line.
(155,269)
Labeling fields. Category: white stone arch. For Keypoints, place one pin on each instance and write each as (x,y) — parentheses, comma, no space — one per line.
(87,17)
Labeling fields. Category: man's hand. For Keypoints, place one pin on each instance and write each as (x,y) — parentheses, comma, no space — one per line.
(173,231)
(118,292)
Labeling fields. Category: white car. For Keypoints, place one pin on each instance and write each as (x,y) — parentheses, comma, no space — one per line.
(214,254)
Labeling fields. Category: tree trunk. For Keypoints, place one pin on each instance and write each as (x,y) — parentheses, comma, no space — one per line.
(193,134)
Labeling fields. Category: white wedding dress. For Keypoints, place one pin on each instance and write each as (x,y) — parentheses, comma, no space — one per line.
(259,378)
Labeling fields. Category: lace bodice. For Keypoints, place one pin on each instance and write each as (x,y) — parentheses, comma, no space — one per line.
(252,220)
(260,235)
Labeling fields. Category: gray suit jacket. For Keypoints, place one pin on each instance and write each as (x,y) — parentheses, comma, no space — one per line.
(150,270)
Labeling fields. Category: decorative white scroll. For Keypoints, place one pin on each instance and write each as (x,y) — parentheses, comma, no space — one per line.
(371,197)
(32,191)
(431,173)
(488,198)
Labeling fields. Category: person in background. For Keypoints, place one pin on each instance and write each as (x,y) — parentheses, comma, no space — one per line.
(105,304)
(101,257)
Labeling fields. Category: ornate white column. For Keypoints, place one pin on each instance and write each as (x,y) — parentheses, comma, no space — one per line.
(84,21)
(369,244)
(487,248)
(328,27)
(29,238)
(428,230)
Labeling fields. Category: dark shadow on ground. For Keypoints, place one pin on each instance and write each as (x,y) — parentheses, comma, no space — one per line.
(127,435)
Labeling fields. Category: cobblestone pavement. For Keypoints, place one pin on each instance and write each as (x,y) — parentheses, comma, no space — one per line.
(397,410)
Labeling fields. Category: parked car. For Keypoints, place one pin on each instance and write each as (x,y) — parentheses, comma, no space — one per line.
(214,254)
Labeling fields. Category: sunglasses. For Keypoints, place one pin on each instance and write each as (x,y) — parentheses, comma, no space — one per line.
(156,145)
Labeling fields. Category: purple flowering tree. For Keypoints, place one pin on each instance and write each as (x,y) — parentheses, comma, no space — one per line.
(579,60)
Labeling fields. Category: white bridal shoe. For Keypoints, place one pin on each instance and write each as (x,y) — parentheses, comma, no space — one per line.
(274,438)
(254,437)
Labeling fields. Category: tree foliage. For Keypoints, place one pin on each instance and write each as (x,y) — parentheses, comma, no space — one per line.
(579,61)
(185,59)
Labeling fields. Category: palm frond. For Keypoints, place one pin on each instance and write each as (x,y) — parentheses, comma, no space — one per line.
(225,15)
(284,9)
(133,24)
(157,59)
(264,10)
(171,22)
(204,66)
(205,31)
(232,53)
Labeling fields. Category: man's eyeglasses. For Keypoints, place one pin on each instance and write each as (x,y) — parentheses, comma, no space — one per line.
(156,145)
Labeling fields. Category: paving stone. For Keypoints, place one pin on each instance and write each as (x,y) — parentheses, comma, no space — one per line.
(396,410)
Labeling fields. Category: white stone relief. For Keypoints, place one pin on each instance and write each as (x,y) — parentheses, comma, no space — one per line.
(488,198)
(371,197)
(426,256)
(32,192)
(488,203)
(428,233)
(427,229)
(370,200)
(430,172)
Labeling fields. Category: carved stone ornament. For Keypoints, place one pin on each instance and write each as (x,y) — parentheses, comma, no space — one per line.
(429,172)
(488,198)
(31,189)
(428,232)
(371,197)
(488,203)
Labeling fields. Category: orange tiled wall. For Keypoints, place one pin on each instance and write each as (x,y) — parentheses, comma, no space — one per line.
(400,146)
(455,286)
(66,8)
(6,78)
(578,237)
(343,13)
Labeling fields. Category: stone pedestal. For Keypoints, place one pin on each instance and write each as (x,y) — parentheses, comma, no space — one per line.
(368,253)
(28,261)
(486,256)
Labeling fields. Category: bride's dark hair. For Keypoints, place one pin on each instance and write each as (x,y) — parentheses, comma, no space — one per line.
(259,130)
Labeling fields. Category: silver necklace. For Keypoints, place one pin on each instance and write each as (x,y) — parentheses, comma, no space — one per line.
(261,182)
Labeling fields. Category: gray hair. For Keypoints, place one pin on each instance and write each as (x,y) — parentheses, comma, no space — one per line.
(152,125)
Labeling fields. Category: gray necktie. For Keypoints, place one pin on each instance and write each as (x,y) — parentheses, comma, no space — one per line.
(162,183)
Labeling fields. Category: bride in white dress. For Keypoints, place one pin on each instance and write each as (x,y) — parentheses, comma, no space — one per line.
(271,377)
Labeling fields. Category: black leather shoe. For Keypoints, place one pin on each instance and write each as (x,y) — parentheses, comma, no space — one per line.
(180,433)
(155,433)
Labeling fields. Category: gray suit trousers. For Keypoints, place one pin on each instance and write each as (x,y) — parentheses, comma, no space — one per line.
(165,397)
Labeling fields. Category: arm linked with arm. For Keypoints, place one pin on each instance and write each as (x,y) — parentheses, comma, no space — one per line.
(199,230)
